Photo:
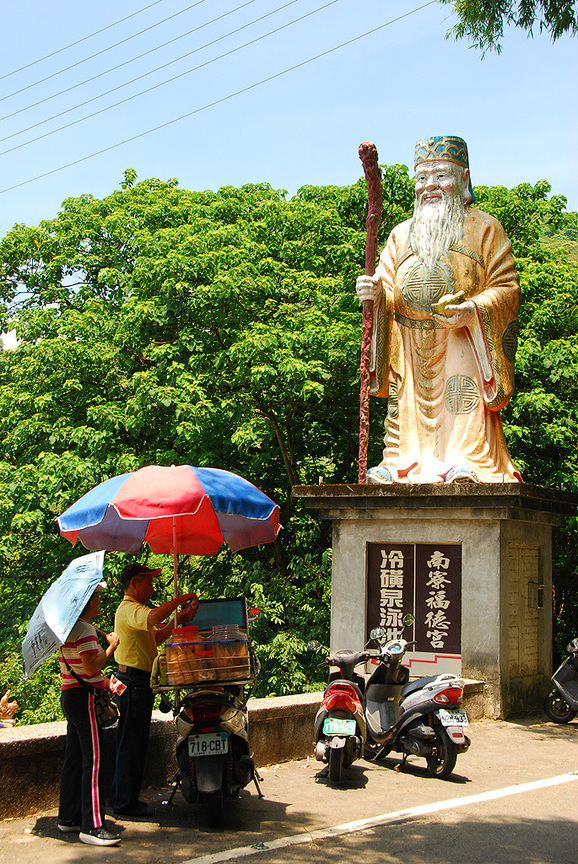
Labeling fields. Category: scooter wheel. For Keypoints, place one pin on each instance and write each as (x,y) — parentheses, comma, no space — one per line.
(442,761)
(213,808)
(335,764)
(558,709)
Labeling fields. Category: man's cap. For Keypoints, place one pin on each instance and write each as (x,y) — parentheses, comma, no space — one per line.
(133,570)
(443,148)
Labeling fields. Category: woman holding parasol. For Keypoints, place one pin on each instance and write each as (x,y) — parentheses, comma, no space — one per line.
(81,657)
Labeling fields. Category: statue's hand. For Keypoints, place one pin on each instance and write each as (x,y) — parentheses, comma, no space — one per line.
(366,287)
(457,316)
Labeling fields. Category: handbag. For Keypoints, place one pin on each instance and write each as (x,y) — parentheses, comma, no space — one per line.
(105,708)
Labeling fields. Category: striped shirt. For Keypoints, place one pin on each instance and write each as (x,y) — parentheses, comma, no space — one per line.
(81,640)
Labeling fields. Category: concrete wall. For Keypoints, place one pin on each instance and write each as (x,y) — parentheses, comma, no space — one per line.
(488,592)
(281,730)
(505,532)
(31,756)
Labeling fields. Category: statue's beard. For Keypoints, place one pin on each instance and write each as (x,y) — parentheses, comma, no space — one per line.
(436,226)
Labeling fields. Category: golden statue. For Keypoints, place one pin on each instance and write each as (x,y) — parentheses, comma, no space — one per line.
(445,301)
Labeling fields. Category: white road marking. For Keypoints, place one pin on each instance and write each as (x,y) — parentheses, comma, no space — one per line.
(383,819)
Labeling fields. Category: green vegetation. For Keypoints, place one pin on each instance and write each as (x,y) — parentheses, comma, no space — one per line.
(483,21)
(165,326)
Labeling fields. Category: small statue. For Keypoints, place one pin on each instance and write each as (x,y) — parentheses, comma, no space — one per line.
(445,321)
(7,710)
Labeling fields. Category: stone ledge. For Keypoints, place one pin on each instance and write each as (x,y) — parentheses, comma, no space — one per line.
(281,730)
(515,499)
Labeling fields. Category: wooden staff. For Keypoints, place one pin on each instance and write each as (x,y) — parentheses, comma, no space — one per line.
(368,155)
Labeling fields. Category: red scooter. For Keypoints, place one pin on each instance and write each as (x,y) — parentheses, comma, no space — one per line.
(340,728)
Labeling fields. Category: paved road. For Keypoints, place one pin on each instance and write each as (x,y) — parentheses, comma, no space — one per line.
(511,800)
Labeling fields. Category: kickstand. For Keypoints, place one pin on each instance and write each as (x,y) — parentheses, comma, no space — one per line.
(175,782)
(256,779)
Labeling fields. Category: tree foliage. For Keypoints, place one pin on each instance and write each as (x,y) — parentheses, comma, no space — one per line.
(163,326)
(541,421)
(166,326)
(483,21)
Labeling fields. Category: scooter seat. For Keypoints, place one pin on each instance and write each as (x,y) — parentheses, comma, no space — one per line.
(417,685)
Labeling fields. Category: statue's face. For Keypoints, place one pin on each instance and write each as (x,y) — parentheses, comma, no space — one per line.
(433,180)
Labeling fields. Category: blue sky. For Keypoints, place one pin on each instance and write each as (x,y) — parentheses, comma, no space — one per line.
(405,81)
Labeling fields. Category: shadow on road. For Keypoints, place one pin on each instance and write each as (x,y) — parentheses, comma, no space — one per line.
(460,838)
(353,777)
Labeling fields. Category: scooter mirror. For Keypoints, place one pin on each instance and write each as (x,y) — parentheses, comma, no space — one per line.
(408,619)
(378,633)
(314,646)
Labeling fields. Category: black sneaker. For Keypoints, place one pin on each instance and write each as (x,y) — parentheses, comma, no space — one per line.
(66,826)
(99,837)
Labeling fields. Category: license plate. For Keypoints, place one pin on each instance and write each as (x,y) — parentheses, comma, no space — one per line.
(455,717)
(208,744)
(338,726)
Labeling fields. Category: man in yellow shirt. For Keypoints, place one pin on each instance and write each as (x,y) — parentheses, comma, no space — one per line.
(140,628)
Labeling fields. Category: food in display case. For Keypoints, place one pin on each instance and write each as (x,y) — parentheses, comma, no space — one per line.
(182,655)
(219,654)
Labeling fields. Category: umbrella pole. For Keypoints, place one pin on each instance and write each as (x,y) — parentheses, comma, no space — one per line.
(175,589)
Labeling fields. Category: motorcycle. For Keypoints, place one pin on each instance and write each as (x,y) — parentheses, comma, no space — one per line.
(420,718)
(211,716)
(340,728)
(561,704)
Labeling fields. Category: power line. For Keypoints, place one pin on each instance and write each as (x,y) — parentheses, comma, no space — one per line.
(221,100)
(139,77)
(98,53)
(168,80)
(79,41)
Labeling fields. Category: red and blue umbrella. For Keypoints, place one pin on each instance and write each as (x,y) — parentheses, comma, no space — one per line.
(178,509)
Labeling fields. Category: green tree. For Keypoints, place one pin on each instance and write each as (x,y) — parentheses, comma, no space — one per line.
(160,325)
(541,421)
(483,21)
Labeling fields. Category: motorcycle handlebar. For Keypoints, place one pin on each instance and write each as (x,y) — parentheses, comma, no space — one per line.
(334,661)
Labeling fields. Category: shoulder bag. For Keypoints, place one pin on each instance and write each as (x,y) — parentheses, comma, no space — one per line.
(105,708)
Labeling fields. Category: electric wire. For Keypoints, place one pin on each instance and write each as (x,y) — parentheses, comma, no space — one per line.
(79,41)
(98,53)
(169,80)
(221,100)
(138,77)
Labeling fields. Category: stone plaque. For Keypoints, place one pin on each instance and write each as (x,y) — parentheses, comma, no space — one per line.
(425,579)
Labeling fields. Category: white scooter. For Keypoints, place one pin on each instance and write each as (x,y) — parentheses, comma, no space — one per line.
(561,704)
(421,718)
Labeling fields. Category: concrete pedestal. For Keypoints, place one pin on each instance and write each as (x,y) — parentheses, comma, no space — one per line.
(501,537)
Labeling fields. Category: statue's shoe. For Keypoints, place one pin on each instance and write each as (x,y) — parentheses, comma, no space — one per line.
(460,474)
(379,475)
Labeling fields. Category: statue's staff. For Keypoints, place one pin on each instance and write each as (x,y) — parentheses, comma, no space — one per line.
(368,155)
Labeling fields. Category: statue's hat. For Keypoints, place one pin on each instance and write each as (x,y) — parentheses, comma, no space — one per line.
(445,148)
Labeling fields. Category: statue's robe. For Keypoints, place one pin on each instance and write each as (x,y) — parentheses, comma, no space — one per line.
(446,386)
